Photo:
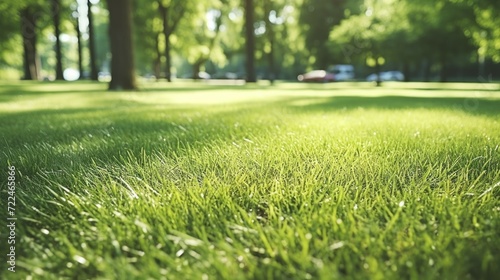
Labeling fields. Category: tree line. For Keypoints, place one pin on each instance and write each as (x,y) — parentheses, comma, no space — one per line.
(253,38)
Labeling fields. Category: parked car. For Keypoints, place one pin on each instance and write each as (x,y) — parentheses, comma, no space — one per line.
(226,76)
(387,76)
(203,75)
(342,72)
(317,76)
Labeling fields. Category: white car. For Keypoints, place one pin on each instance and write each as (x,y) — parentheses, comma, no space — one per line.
(387,76)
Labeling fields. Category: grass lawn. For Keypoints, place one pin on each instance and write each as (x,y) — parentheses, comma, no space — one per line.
(195,181)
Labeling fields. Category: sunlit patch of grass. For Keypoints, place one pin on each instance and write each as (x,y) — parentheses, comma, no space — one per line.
(251,182)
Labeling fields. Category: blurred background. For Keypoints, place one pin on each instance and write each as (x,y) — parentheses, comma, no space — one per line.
(405,40)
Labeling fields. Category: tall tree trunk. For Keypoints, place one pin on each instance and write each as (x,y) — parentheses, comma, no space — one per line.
(164,12)
(157,60)
(249,42)
(56,16)
(271,39)
(272,64)
(28,29)
(171,15)
(92,49)
(377,70)
(79,42)
(120,34)
(168,59)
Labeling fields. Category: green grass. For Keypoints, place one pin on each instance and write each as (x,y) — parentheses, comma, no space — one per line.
(194,181)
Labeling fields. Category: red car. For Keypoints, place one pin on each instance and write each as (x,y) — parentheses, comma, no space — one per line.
(321,76)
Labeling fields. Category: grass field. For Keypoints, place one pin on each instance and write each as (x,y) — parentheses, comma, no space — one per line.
(292,181)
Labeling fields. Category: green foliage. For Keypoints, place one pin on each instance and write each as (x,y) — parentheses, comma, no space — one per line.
(147,28)
(186,181)
(207,27)
(10,52)
(101,30)
(407,31)
(284,33)
(487,34)
(300,34)
(317,18)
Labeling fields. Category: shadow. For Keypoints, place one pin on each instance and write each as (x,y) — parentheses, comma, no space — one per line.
(479,89)
(296,86)
(68,140)
(205,88)
(34,88)
(475,106)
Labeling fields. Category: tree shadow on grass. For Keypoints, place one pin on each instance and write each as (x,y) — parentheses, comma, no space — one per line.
(70,140)
(474,106)
(478,89)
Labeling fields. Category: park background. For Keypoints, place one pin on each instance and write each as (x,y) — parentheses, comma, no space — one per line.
(441,40)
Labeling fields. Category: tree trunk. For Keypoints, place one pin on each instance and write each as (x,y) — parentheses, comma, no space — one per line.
(168,59)
(157,60)
(377,70)
(272,64)
(122,52)
(28,29)
(56,16)
(270,37)
(94,75)
(79,42)
(250,42)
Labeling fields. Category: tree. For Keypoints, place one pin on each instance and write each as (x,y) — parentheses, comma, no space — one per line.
(488,19)
(148,34)
(440,26)
(171,13)
(11,49)
(100,16)
(31,63)
(279,36)
(317,18)
(268,12)
(249,42)
(208,26)
(122,51)
(56,16)
(205,45)
(91,42)
(366,33)
(76,22)
(407,32)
